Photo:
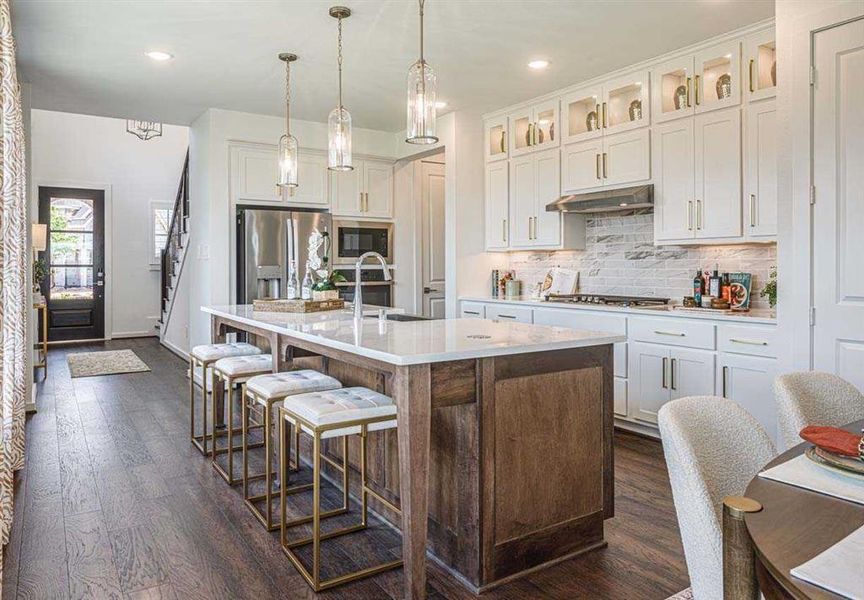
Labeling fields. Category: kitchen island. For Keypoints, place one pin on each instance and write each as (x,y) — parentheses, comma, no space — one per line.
(502,460)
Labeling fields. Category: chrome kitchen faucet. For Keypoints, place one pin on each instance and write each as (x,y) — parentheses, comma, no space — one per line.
(358,295)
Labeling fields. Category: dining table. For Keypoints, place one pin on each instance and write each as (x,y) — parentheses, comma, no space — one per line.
(793,526)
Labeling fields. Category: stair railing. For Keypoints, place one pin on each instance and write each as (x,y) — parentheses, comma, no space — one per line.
(171,252)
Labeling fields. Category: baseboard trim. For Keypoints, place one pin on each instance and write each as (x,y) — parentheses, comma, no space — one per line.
(132,334)
(174,349)
(643,430)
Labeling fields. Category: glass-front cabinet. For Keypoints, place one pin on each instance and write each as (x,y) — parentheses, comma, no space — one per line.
(626,103)
(760,65)
(672,89)
(534,128)
(496,138)
(582,115)
(717,83)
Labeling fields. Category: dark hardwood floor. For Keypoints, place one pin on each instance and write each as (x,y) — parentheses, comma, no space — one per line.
(114,502)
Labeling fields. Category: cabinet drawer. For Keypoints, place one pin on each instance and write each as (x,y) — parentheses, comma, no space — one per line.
(473,310)
(673,332)
(522,314)
(747,339)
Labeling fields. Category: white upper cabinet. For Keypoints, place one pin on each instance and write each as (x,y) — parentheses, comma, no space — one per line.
(626,157)
(582,114)
(496,138)
(534,128)
(497,210)
(547,225)
(311,180)
(760,65)
(366,191)
(522,201)
(626,102)
(717,82)
(672,89)
(674,175)
(718,174)
(534,183)
(581,166)
(254,174)
(760,171)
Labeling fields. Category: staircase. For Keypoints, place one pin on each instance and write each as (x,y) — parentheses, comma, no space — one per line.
(174,252)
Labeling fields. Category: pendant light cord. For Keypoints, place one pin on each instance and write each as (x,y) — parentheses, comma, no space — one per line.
(422,61)
(288,98)
(339,60)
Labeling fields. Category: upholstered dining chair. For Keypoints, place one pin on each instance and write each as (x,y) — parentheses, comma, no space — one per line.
(713,448)
(814,398)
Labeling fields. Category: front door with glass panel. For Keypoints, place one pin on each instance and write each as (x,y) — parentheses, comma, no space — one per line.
(75,258)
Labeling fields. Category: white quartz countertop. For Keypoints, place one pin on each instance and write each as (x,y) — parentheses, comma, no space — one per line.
(755,316)
(415,342)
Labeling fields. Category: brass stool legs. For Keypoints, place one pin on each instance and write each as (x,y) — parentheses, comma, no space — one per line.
(199,441)
(230,430)
(314,578)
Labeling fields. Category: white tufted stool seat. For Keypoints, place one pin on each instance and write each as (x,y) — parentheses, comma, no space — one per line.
(203,356)
(346,405)
(238,367)
(267,392)
(328,414)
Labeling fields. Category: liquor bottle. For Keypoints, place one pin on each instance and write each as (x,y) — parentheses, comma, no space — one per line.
(714,283)
(306,287)
(698,288)
(292,290)
(726,288)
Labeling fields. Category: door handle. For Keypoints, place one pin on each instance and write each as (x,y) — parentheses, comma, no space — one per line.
(698,214)
(672,374)
(663,369)
(597,166)
(752,209)
(604,116)
(100,283)
(750,76)
(688,93)
(361,201)
(605,175)
(504,230)
(723,377)
(696,89)
(690,215)
(427,290)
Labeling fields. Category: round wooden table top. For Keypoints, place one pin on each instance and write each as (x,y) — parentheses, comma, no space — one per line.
(795,525)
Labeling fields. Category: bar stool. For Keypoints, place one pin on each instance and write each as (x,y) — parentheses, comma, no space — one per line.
(203,356)
(323,415)
(267,392)
(232,371)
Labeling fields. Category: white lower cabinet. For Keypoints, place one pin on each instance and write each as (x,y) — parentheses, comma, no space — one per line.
(661,373)
(748,380)
(620,397)
(473,310)
(503,312)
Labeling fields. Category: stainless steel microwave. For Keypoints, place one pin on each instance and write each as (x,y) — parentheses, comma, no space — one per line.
(353,238)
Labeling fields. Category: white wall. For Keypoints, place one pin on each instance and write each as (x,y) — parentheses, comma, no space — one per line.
(210,262)
(84,151)
(796,21)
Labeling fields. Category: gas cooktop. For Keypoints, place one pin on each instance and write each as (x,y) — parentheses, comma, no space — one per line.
(601,299)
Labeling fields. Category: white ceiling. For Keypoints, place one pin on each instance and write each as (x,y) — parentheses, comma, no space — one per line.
(88,57)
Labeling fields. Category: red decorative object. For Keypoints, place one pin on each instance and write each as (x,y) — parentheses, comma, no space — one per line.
(833,439)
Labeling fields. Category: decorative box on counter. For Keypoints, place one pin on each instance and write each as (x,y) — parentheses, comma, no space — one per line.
(296,306)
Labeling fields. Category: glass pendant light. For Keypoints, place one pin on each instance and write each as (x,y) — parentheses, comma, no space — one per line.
(421,84)
(287,143)
(339,122)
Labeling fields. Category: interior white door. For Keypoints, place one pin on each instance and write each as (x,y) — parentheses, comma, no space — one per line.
(718,174)
(432,227)
(345,191)
(580,166)
(497,199)
(627,157)
(838,164)
(760,164)
(691,373)
(672,166)
(378,186)
(749,381)
(649,380)
(522,190)
(547,171)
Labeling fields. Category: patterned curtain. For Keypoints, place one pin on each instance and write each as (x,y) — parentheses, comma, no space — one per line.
(14,295)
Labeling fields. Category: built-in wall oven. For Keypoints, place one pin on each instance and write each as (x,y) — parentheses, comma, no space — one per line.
(376,290)
(353,238)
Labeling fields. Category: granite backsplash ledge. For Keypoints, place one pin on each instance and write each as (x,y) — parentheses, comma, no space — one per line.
(620,258)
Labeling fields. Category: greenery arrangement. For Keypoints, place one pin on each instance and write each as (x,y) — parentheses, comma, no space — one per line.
(40,269)
(770,289)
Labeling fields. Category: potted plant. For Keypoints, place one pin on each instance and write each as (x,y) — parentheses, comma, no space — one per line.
(40,269)
(770,289)
(325,288)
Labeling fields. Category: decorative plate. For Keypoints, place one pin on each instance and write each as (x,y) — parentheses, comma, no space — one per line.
(844,464)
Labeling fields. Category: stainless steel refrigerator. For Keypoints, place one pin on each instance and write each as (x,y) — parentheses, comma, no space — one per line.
(268,240)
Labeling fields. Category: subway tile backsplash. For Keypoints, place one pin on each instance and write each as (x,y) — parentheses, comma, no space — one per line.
(621,258)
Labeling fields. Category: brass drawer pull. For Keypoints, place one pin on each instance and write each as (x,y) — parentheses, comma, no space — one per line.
(749,342)
(673,333)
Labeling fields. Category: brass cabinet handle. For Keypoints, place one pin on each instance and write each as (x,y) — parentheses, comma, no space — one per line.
(674,333)
(723,378)
(361,201)
(605,175)
(688,93)
(533,228)
(752,209)
(604,116)
(690,215)
(696,89)
(750,75)
(597,166)
(672,375)
(663,368)
(503,230)
(749,342)
(698,214)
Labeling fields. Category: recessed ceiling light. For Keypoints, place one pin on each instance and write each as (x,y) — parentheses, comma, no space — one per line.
(440,104)
(538,64)
(160,56)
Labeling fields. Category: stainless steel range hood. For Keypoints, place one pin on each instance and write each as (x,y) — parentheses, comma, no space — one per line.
(641,196)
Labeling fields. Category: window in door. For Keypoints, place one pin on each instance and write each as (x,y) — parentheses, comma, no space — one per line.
(71,243)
